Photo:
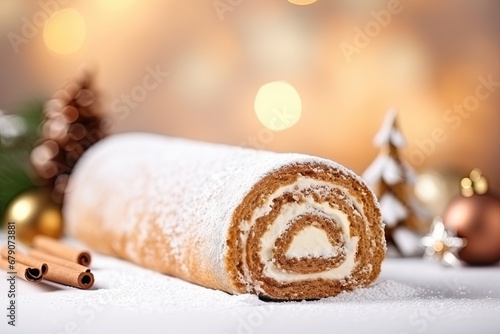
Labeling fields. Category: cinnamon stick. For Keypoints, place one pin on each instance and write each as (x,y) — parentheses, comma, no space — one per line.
(29,261)
(43,256)
(70,277)
(29,274)
(57,248)
(65,272)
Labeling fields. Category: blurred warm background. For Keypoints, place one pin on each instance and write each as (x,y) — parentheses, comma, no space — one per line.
(427,57)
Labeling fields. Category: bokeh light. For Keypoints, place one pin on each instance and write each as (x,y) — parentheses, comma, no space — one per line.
(64,32)
(302,2)
(278,105)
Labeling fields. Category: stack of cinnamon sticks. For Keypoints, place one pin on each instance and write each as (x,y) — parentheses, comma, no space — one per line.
(50,260)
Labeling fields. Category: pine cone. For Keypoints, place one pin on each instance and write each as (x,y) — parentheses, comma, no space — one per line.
(72,123)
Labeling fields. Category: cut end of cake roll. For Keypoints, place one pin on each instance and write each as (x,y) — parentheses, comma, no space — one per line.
(306,231)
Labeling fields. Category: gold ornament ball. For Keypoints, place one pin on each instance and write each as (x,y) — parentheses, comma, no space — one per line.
(35,213)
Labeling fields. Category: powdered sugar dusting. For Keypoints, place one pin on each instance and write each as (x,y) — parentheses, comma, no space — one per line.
(385,291)
(124,286)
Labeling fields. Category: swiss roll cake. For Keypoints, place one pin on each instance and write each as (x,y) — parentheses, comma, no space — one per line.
(282,226)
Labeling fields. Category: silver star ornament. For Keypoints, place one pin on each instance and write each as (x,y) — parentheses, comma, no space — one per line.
(442,245)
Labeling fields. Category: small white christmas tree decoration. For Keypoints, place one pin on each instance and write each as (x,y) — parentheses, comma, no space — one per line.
(391,179)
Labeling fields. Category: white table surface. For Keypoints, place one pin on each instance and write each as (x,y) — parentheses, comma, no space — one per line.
(410,296)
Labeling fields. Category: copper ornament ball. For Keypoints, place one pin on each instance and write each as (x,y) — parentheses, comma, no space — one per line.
(477,219)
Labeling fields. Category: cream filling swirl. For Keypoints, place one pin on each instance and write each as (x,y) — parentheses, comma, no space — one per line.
(309,240)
